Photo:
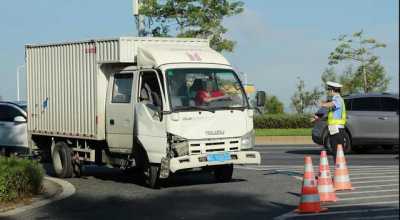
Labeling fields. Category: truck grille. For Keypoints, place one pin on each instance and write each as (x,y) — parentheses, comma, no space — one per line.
(211,146)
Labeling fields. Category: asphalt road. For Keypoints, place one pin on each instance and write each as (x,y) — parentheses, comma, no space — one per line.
(268,191)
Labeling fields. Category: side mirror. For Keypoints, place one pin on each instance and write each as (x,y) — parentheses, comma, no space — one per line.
(19,119)
(260,98)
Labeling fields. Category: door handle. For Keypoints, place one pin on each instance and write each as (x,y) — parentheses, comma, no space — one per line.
(383,118)
(112,122)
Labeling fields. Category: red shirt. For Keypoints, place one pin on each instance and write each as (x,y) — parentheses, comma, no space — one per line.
(203,95)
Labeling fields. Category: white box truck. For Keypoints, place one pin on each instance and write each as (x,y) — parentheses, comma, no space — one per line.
(161,105)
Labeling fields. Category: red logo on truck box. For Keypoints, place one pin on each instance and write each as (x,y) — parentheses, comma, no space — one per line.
(90,50)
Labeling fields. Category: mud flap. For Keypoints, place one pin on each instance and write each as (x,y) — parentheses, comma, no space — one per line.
(164,169)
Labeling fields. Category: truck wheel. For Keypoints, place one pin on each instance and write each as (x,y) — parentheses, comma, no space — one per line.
(223,173)
(62,160)
(151,175)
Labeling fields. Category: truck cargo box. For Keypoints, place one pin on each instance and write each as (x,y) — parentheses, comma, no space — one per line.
(67,89)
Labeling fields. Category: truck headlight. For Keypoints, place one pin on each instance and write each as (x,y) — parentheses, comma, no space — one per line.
(248,140)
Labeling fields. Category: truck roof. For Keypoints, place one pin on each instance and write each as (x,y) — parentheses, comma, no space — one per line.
(143,51)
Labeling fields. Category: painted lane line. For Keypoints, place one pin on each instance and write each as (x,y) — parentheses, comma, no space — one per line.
(369,197)
(391,168)
(376,186)
(365,204)
(374,177)
(355,166)
(371,191)
(376,174)
(376,181)
(293,214)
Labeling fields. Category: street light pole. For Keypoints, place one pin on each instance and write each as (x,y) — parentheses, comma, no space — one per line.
(18,70)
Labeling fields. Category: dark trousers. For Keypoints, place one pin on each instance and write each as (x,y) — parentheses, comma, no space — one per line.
(336,139)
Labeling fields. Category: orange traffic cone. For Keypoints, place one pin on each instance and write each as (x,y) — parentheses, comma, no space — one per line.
(309,202)
(341,180)
(325,186)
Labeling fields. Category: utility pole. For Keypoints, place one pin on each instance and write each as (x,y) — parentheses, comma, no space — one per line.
(18,70)
(140,25)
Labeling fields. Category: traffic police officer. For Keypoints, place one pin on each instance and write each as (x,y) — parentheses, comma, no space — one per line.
(336,116)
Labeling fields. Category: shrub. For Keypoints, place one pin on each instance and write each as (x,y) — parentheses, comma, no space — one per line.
(19,178)
(282,121)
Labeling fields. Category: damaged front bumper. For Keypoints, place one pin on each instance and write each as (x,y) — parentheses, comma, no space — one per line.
(202,160)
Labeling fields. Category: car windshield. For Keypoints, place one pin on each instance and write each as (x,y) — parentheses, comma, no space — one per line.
(204,89)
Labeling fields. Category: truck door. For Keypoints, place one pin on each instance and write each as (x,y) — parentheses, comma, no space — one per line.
(119,113)
(150,125)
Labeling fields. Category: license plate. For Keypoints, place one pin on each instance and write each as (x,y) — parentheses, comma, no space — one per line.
(218,157)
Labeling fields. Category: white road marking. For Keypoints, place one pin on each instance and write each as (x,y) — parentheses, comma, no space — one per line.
(293,214)
(376,186)
(374,177)
(372,191)
(375,174)
(369,197)
(376,181)
(364,204)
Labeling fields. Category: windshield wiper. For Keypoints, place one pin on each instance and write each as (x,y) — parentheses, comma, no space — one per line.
(241,108)
(195,108)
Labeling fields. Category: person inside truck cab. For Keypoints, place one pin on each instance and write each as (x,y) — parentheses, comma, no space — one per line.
(208,94)
(178,90)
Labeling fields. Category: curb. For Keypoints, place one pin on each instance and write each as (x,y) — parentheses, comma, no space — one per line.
(278,140)
(67,190)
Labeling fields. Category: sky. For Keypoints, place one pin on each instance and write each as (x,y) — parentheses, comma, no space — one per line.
(276,40)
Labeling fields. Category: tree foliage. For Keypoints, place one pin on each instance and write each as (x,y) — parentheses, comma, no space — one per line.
(304,100)
(273,105)
(352,79)
(191,18)
(369,75)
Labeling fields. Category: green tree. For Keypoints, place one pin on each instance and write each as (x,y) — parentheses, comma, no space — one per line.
(273,105)
(191,18)
(369,74)
(346,79)
(304,100)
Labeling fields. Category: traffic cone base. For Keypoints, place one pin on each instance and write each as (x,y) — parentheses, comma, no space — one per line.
(343,186)
(315,208)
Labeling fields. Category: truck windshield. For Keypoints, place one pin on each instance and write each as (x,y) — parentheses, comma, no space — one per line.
(204,89)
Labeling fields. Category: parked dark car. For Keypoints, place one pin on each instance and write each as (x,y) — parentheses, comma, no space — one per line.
(372,120)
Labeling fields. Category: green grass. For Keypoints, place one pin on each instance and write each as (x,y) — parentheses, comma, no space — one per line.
(283,132)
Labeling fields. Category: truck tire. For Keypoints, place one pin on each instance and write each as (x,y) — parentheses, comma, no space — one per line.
(223,173)
(152,175)
(62,160)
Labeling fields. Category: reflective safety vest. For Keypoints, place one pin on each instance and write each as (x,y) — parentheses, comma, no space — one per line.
(337,121)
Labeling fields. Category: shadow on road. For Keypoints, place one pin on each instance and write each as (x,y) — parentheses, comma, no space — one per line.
(307,152)
(117,175)
(172,204)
